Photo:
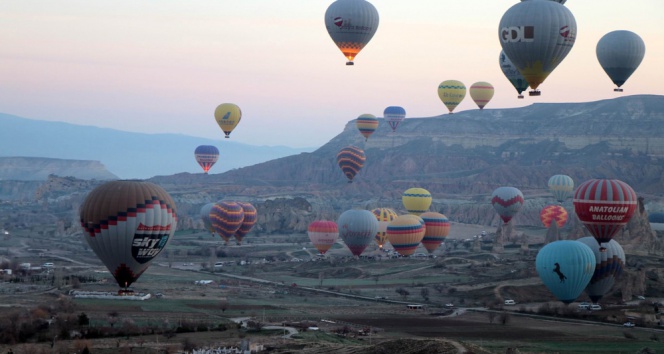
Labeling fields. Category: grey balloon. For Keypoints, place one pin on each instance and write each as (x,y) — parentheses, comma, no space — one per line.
(351,24)
(205,216)
(609,266)
(620,53)
(537,35)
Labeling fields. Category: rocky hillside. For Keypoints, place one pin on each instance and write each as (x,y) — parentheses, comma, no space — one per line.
(38,169)
(459,158)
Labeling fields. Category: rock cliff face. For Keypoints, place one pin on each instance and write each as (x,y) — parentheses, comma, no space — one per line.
(38,169)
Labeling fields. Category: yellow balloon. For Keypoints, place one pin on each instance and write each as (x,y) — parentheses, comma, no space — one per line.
(416,200)
(481,92)
(227,115)
(405,233)
(451,92)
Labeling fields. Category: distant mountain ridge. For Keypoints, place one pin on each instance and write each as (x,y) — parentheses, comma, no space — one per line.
(125,154)
(476,151)
(39,168)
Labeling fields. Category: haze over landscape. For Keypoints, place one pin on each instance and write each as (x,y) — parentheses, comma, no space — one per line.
(277,249)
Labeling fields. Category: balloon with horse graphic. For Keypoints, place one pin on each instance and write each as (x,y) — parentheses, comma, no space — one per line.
(565,268)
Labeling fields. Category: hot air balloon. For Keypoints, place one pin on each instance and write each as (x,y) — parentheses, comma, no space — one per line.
(512,74)
(561,186)
(384,217)
(366,124)
(553,213)
(656,221)
(437,229)
(394,115)
(481,92)
(604,206)
(228,116)
(620,53)
(416,200)
(351,24)
(323,234)
(357,228)
(451,92)
(565,267)
(127,224)
(350,160)
(537,36)
(608,267)
(226,217)
(558,1)
(405,233)
(507,201)
(250,217)
(205,216)
(206,156)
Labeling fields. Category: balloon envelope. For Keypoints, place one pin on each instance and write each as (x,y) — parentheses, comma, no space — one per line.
(250,217)
(451,92)
(608,267)
(206,156)
(565,267)
(512,74)
(620,53)
(366,124)
(507,201)
(127,224)
(405,233)
(205,216)
(226,218)
(357,228)
(384,217)
(351,24)
(394,115)
(561,186)
(537,36)
(228,116)
(481,92)
(416,200)
(351,160)
(437,229)
(323,234)
(604,206)
(553,213)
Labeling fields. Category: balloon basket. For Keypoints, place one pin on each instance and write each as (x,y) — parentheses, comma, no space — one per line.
(535,93)
(617,89)
(350,63)
(125,292)
(519,97)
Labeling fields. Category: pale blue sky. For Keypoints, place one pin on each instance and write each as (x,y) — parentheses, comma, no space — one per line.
(163,66)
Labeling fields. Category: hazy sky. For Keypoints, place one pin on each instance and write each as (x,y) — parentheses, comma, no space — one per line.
(163,65)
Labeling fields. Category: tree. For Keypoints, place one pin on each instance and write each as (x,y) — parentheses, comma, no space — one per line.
(403,292)
(83,319)
(223,305)
(424,292)
(491,315)
(505,318)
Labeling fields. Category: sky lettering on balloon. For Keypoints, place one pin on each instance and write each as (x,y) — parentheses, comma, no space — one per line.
(149,241)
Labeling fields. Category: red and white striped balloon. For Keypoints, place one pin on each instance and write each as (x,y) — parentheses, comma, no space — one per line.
(604,206)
